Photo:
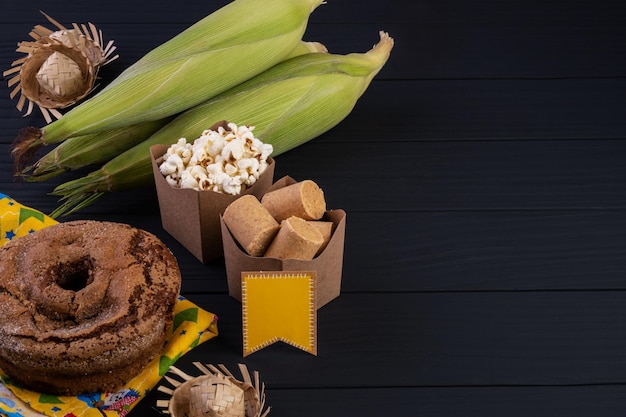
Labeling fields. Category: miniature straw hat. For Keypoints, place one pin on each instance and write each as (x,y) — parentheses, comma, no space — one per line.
(60,67)
(215,393)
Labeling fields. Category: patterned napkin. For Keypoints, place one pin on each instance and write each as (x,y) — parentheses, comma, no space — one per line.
(17,220)
(192,326)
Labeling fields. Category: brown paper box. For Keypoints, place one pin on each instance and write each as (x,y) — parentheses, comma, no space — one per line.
(193,217)
(328,265)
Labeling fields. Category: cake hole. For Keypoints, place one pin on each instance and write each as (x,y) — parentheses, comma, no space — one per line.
(75,275)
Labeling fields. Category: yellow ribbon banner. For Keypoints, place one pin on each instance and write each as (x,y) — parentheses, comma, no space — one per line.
(279,306)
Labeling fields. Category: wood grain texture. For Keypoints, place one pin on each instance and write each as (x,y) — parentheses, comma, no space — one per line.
(473,110)
(484,182)
(447,339)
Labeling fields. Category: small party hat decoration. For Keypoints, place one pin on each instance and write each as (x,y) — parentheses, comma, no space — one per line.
(60,67)
(215,393)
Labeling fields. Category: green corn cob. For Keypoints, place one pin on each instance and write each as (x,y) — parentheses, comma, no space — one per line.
(289,104)
(220,51)
(82,151)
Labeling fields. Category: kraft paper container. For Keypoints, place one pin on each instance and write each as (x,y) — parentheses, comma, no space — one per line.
(328,264)
(193,217)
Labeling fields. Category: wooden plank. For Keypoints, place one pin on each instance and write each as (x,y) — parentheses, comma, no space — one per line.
(464,251)
(484,12)
(483,177)
(439,401)
(487,110)
(496,175)
(417,176)
(438,175)
(459,110)
(440,339)
(450,251)
(435,39)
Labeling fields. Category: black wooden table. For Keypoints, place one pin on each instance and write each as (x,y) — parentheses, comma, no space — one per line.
(484,182)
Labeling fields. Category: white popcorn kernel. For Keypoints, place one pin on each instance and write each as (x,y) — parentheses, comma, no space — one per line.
(215,169)
(186,155)
(249,165)
(225,160)
(233,149)
(204,184)
(200,157)
(244,177)
(188,181)
(197,171)
(262,167)
(172,181)
(231,169)
(173,164)
(266,151)
(215,143)
(231,185)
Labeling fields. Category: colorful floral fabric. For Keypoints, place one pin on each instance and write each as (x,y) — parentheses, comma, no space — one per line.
(192,326)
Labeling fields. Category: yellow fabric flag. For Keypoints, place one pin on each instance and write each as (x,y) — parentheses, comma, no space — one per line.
(279,306)
(192,326)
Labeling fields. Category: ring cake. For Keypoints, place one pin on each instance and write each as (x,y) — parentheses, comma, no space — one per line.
(84,306)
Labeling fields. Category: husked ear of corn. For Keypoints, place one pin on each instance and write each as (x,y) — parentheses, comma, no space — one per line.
(225,48)
(289,104)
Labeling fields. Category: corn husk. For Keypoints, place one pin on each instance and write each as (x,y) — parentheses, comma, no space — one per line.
(289,104)
(60,67)
(215,393)
(227,47)
(100,147)
(82,151)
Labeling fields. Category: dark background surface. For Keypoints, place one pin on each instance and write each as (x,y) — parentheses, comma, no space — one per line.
(483,177)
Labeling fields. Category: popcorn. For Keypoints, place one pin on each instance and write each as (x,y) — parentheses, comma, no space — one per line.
(223,160)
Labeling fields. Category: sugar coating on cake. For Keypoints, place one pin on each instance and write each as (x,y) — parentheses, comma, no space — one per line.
(84,305)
